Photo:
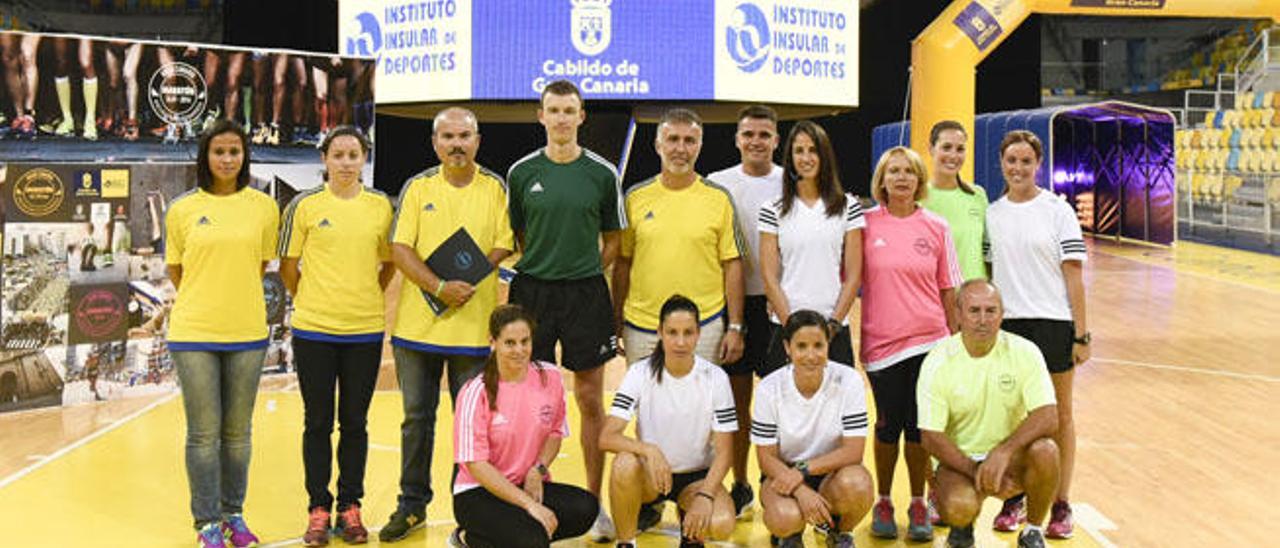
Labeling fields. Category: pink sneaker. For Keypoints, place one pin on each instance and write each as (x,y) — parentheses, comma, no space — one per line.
(317,528)
(934,517)
(882,524)
(1060,522)
(1013,514)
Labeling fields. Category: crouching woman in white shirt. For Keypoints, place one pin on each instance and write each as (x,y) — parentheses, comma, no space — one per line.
(683,447)
(809,425)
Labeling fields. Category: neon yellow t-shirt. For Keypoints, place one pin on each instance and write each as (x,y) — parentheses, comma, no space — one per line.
(979,402)
(220,242)
(341,244)
(966,214)
(676,240)
(430,211)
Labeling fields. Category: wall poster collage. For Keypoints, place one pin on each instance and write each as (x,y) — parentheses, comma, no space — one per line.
(97,137)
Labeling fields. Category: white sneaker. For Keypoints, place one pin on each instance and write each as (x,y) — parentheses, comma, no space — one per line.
(602,530)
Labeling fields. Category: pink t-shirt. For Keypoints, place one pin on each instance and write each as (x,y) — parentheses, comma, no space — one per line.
(905,264)
(510,436)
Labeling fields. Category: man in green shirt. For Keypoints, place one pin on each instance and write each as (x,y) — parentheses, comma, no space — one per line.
(566,210)
(987,414)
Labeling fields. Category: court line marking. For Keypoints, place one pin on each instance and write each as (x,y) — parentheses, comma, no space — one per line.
(1093,522)
(1185,369)
(85,440)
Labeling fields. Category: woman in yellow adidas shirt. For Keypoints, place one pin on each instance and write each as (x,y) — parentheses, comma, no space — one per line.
(219,238)
(338,232)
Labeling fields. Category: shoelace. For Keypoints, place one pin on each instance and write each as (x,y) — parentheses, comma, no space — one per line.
(319,520)
(351,517)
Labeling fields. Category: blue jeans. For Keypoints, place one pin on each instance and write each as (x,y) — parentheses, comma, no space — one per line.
(419,376)
(218,391)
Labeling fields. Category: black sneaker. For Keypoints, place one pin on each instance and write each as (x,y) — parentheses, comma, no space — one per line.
(742,496)
(1031,538)
(960,537)
(686,542)
(455,539)
(401,524)
(650,516)
(625,545)
(793,541)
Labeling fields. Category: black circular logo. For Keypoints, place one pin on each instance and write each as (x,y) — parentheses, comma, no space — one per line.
(177,93)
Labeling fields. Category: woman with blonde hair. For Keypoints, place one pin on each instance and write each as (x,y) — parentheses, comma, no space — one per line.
(909,279)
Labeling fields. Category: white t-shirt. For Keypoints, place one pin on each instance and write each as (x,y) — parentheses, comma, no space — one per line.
(811,245)
(748,194)
(1028,243)
(678,414)
(807,428)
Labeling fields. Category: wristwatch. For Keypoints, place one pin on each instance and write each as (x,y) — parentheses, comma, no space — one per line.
(802,466)
(1083,339)
(736,327)
(542,470)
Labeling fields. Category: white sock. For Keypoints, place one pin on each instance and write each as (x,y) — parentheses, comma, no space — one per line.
(917,499)
(886,498)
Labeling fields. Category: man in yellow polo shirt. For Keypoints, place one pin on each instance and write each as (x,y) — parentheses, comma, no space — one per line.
(433,205)
(682,236)
(987,415)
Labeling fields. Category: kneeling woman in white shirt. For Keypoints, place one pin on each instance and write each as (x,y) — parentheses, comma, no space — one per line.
(809,424)
(683,447)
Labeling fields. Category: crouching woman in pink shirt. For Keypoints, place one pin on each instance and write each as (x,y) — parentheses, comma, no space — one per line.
(506,431)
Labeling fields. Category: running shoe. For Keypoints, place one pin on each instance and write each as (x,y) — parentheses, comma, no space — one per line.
(317,528)
(960,537)
(793,541)
(934,517)
(237,532)
(455,539)
(130,131)
(26,126)
(350,526)
(402,523)
(918,527)
(686,542)
(65,128)
(1060,522)
(650,516)
(742,496)
(840,540)
(1031,538)
(1011,515)
(602,530)
(90,132)
(210,536)
(171,134)
(882,524)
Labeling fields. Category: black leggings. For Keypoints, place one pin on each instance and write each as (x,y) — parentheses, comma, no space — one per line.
(353,369)
(492,522)
(894,388)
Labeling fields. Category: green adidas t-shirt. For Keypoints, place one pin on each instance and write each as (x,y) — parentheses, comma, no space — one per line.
(967,216)
(562,209)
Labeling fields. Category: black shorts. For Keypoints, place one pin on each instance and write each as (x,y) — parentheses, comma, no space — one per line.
(678,482)
(759,331)
(576,313)
(839,349)
(1054,338)
(813,481)
(894,389)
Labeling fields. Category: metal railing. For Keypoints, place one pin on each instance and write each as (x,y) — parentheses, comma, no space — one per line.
(1256,61)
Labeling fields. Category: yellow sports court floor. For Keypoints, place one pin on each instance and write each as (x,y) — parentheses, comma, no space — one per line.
(1175,417)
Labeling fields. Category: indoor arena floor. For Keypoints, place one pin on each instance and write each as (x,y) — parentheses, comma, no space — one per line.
(1175,418)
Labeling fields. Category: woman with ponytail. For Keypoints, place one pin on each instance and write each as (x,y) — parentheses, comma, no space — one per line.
(506,432)
(963,205)
(683,447)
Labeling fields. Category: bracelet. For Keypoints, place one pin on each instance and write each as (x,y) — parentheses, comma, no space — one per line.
(702,494)
(439,288)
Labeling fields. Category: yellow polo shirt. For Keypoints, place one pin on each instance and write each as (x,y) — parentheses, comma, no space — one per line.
(221,243)
(677,240)
(430,211)
(341,244)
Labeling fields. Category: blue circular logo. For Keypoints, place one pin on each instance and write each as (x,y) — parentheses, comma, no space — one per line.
(369,40)
(463,260)
(747,37)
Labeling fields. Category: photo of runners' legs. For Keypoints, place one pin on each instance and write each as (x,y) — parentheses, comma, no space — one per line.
(235,73)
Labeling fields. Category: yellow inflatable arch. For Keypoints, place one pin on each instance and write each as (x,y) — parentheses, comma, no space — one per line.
(945,56)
